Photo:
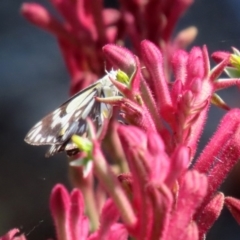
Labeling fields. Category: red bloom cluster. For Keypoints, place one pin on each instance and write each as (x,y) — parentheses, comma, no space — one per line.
(153,190)
(87,26)
(164,195)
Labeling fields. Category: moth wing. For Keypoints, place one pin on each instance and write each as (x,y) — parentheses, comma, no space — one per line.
(98,112)
(49,130)
(95,110)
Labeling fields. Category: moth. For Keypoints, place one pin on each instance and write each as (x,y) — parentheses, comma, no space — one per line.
(57,128)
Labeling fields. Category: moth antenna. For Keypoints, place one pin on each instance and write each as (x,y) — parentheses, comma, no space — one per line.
(106,71)
(105,67)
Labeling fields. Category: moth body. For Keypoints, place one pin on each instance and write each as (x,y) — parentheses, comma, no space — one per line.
(57,128)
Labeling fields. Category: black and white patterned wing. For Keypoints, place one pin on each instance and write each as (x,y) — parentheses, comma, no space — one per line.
(68,119)
(98,112)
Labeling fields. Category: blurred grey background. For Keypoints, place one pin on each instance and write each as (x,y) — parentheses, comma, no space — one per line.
(34,81)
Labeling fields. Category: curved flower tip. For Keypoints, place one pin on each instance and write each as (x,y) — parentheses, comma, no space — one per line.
(228,140)
(210,214)
(78,222)
(35,13)
(118,231)
(233,206)
(185,37)
(121,58)
(136,144)
(150,53)
(179,63)
(155,143)
(156,157)
(219,56)
(218,70)
(195,67)
(68,213)
(153,60)
(178,164)
(131,136)
(111,16)
(109,214)
(38,15)
(108,219)
(13,234)
(59,201)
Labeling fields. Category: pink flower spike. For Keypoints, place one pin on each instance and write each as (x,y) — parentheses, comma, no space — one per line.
(179,162)
(109,216)
(210,214)
(67,212)
(80,76)
(206,61)
(185,37)
(176,91)
(219,56)
(195,67)
(134,142)
(111,16)
(118,232)
(179,63)
(193,187)
(231,122)
(90,15)
(218,70)
(120,58)
(130,22)
(111,34)
(233,206)
(151,105)
(39,16)
(177,9)
(13,234)
(59,205)
(152,59)
(157,158)
(221,154)
(78,222)
(68,11)
(154,20)
(225,83)
(161,203)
